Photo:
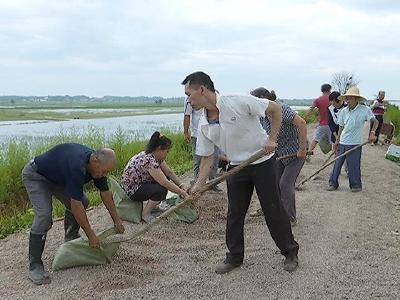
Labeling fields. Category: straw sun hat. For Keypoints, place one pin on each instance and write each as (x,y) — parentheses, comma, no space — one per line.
(352,92)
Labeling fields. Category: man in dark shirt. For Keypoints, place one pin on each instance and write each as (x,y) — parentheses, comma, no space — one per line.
(62,172)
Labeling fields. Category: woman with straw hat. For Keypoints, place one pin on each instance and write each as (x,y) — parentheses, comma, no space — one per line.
(351,121)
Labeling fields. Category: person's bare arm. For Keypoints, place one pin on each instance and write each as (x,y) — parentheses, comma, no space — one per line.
(337,142)
(274,111)
(224,158)
(159,176)
(186,125)
(375,123)
(171,174)
(107,198)
(309,112)
(205,167)
(301,125)
(79,213)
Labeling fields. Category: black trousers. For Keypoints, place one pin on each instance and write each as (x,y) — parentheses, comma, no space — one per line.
(378,130)
(263,177)
(153,191)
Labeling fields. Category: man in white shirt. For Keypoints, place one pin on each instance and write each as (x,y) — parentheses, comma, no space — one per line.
(232,123)
(191,119)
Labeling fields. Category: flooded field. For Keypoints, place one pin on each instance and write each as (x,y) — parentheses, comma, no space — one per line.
(140,127)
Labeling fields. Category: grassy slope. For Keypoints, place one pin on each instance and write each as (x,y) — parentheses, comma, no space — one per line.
(15,210)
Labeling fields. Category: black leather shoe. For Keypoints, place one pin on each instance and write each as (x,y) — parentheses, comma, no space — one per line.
(291,263)
(224,267)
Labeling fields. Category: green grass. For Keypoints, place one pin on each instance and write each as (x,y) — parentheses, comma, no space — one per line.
(15,209)
(313,118)
(20,114)
(393,115)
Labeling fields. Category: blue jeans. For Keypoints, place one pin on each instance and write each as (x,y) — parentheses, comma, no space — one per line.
(353,163)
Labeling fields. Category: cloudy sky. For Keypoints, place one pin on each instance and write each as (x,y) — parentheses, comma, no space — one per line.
(141,47)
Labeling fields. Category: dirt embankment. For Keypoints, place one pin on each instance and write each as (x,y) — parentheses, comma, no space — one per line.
(349,249)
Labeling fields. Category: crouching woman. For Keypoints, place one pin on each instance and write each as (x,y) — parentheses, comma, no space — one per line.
(147,177)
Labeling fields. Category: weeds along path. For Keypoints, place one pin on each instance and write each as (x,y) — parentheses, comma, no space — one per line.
(349,248)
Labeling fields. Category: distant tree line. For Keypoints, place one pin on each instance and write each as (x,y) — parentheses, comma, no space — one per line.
(82,98)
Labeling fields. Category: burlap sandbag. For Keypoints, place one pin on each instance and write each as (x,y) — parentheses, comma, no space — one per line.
(325,145)
(78,253)
(187,213)
(127,209)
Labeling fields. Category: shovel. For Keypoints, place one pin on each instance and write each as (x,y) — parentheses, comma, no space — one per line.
(259,154)
(328,164)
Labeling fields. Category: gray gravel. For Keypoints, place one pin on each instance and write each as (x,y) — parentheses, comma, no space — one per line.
(349,249)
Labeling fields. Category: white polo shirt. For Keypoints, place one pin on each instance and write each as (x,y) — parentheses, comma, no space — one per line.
(239,133)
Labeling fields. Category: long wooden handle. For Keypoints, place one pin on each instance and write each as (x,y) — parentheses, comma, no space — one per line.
(253,158)
(329,157)
(244,164)
(204,188)
(331,162)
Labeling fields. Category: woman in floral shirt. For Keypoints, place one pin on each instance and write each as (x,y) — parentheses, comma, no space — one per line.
(148,177)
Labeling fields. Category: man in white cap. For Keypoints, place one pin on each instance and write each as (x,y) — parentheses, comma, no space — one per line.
(351,121)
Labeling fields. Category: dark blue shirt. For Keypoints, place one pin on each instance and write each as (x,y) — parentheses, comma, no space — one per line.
(65,165)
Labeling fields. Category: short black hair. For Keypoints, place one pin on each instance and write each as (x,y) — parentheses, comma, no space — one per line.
(334,96)
(199,78)
(326,87)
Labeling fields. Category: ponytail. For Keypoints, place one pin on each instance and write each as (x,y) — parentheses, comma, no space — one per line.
(156,140)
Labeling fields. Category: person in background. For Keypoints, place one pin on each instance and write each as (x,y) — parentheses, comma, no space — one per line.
(233,124)
(336,106)
(351,121)
(292,138)
(147,177)
(191,120)
(62,172)
(322,104)
(378,109)
(223,162)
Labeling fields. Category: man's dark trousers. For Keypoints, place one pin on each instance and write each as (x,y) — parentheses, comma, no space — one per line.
(263,177)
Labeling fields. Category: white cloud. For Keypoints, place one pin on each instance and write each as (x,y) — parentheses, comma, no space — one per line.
(292,45)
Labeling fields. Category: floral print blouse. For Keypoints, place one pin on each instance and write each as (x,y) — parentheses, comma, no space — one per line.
(136,172)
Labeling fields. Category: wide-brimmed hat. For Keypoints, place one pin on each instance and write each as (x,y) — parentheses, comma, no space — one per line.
(352,92)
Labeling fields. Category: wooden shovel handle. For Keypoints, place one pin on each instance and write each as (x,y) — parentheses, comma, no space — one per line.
(331,162)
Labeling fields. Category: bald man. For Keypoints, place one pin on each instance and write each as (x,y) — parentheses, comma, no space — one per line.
(62,172)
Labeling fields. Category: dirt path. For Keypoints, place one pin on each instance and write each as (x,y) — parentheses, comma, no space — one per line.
(349,249)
